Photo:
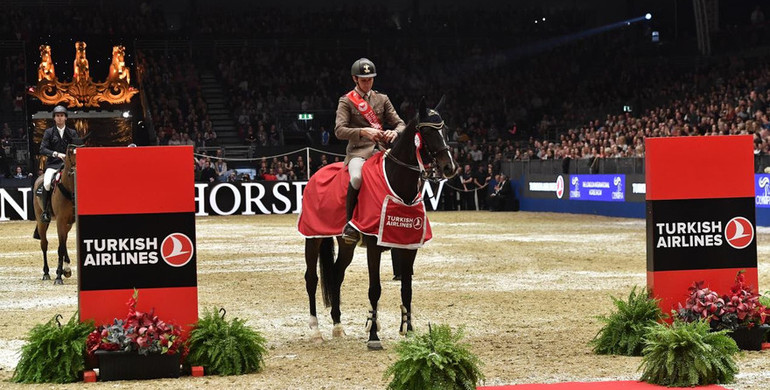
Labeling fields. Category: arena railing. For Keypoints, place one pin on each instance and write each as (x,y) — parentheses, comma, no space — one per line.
(625,165)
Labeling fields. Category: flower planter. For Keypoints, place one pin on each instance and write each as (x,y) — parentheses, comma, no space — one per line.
(750,339)
(121,365)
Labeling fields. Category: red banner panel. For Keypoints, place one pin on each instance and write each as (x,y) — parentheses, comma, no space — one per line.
(671,286)
(104,306)
(699,167)
(143,180)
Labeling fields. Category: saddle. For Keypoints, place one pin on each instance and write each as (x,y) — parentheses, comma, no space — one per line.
(56,184)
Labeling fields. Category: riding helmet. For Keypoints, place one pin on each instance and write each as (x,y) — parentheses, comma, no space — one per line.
(363,67)
(60,109)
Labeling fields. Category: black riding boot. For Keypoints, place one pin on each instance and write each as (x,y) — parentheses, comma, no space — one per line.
(45,199)
(350,234)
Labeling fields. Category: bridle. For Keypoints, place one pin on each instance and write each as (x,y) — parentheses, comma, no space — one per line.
(429,173)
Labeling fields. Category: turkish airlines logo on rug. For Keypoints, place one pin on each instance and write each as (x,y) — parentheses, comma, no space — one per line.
(177,249)
(739,232)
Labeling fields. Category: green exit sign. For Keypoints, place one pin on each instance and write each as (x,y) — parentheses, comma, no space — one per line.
(305,117)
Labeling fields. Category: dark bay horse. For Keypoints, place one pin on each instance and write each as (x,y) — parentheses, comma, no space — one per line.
(406,178)
(403,168)
(63,207)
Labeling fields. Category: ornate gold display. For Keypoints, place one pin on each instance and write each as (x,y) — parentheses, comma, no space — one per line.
(82,90)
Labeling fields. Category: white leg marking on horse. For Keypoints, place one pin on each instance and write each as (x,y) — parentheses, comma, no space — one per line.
(338,331)
(315,333)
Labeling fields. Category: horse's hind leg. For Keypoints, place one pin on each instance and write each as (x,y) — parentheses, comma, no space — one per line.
(312,247)
(344,258)
(405,259)
(373,256)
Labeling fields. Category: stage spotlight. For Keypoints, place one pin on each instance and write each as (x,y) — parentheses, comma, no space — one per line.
(648,16)
(126,114)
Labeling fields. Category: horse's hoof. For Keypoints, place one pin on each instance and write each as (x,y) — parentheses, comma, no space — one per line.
(58,282)
(338,331)
(46,277)
(316,337)
(67,271)
(374,345)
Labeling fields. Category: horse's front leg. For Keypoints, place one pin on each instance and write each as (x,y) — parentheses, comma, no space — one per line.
(42,229)
(405,259)
(67,270)
(312,247)
(373,257)
(62,229)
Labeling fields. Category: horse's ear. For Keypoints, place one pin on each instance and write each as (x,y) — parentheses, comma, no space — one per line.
(422,108)
(440,102)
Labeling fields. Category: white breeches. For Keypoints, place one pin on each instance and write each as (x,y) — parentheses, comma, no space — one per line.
(354,167)
(48,178)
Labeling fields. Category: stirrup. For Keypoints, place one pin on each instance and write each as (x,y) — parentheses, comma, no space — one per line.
(350,235)
(45,217)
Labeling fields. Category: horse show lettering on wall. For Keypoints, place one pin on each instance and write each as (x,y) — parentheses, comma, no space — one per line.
(280,197)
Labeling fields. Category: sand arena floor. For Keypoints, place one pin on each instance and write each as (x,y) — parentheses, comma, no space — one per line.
(525,285)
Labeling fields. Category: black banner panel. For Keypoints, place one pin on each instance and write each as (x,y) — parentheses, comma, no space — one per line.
(689,234)
(137,251)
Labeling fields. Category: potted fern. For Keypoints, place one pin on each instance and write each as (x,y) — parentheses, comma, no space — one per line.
(688,354)
(434,361)
(140,347)
(224,348)
(54,353)
(624,330)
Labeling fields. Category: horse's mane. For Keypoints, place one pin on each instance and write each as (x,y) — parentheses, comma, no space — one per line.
(410,128)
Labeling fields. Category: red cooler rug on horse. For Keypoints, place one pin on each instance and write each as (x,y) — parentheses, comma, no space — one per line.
(323,202)
(625,385)
(381,213)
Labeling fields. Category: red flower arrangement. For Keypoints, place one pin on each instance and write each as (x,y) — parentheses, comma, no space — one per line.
(740,308)
(143,332)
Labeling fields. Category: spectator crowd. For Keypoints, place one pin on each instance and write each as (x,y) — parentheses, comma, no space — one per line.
(527,94)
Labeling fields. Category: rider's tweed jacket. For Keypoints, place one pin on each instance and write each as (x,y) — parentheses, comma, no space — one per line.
(350,121)
(52,142)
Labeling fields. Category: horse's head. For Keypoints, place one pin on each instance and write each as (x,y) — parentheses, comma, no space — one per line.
(432,131)
(70,160)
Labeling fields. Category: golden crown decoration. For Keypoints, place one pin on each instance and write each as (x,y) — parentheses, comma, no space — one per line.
(82,90)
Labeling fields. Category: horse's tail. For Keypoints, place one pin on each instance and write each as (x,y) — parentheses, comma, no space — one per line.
(36,234)
(326,264)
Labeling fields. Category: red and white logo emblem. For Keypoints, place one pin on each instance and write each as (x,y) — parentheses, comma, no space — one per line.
(362,106)
(417,223)
(559,187)
(177,249)
(739,232)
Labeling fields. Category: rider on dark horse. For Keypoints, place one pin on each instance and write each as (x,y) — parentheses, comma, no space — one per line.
(54,146)
(362,116)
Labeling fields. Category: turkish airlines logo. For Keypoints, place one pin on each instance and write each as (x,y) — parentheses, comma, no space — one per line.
(177,249)
(417,223)
(362,106)
(739,232)
(559,187)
